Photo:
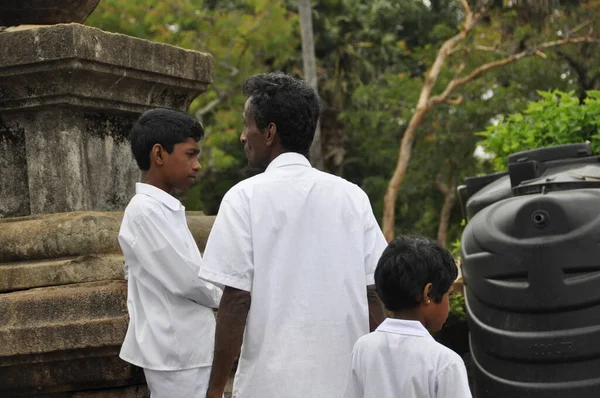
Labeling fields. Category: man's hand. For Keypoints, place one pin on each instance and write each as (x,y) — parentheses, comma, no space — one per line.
(231,322)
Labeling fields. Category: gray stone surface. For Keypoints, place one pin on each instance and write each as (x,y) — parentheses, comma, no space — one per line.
(14,190)
(62,338)
(63,312)
(17,12)
(68,96)
(72,64)
(56,236)
(76,160)
(30,274)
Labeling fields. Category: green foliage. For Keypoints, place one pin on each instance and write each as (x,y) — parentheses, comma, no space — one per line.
(243,37)
(455,247)
(372,57)
(557,118)
(457,311)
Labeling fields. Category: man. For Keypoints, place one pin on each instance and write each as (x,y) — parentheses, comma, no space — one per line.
(296,250)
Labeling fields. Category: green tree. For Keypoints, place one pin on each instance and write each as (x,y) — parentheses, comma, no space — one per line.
(557,118)
(473,36)
(243,37)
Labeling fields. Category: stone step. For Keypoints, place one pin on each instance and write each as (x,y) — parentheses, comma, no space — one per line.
(62,318)
(54,236)
(59,235)
(64,338)
(34,274)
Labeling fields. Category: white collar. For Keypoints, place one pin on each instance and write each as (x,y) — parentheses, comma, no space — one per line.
(403,326)
(160,195)
(287,159)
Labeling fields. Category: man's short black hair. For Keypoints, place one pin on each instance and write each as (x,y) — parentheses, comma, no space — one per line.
(290,103)
(407,265)
(161,126)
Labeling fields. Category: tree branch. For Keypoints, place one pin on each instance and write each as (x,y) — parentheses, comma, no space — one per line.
(425,103)
(578,28)
(207,108)
(233,69)
(456,49)
(458,82)
(441,185)
(455,101)
(489,49)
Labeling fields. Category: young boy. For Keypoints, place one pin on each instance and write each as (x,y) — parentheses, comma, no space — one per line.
(171,322)
(400,359)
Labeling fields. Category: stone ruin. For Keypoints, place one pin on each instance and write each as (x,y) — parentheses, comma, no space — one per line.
(68,96)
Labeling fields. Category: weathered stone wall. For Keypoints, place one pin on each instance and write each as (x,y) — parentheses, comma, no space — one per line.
(76,161)
(68,97)
(63,305)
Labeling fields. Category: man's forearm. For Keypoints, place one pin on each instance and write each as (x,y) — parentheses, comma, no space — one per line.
(231,322)
(376,309)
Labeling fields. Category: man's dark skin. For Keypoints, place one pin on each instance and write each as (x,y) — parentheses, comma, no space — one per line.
(261,147)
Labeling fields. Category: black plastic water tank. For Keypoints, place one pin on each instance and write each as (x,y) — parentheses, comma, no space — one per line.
(531,266)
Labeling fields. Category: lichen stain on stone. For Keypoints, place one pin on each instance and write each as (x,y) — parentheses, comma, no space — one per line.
(14,136)
(5,95)
(104,126)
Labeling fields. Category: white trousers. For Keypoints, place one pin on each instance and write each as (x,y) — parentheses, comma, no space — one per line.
(190,383)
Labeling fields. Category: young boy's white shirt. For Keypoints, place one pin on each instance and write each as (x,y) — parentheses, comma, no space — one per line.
(172,325)
(401,359)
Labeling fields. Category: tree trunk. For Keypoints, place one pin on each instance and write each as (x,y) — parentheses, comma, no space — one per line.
(332,133)
(426,101)
(310,73)
(449,192)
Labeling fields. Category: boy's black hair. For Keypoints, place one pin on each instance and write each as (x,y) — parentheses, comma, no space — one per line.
(407,265)
(290,103)
(161,126)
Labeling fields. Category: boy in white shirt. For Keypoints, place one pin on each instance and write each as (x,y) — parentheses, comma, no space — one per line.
(171,322)
(400,359)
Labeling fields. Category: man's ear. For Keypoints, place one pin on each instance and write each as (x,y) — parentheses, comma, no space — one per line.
(271,134)
(156,154)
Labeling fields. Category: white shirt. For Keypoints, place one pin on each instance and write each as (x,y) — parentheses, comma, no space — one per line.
(171,323)
(401,359)
(305,244)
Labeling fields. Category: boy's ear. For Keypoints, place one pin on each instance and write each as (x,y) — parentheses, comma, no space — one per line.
(427,293)
(271,134)
(156,154)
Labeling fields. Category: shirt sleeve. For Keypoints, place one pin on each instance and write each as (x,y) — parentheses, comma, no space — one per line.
(354,386)
(163,257)
(229,256)
(375,242)
(452,381)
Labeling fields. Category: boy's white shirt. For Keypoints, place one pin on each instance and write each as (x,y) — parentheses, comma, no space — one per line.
(172,325)
(401,359)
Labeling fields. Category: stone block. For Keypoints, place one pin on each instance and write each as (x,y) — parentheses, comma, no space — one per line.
(63,311)
(17,12)
(55,236)
(63,338)
(68,97)
(65,248)
(23,275)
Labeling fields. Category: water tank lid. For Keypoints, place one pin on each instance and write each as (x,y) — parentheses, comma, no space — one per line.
(548,154)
